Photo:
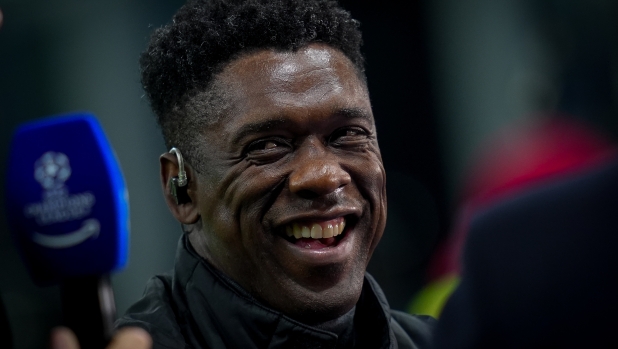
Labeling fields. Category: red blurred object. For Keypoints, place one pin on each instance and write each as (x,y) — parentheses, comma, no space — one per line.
(517,159)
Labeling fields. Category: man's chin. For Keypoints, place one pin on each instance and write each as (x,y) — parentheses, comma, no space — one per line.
(314,281)
(314,294)
(311,307)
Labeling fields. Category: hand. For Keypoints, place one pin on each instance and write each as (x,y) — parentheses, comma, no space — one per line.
(126,338)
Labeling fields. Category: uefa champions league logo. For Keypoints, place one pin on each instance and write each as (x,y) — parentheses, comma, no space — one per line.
(58,205)
(51,170)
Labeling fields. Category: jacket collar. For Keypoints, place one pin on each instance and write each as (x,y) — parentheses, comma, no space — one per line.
(210,300)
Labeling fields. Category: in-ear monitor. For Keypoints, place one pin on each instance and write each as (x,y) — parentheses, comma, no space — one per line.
(178,184)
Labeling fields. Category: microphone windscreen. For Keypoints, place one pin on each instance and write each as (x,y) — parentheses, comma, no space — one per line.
(66,199)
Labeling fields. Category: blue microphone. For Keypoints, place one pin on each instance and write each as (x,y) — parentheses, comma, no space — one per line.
(68,211)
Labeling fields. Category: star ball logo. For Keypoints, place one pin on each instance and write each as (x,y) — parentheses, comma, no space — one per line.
(51,170)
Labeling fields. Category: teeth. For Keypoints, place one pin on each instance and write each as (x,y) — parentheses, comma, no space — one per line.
(305,231)
(296,230)
(316,230)
(329,232)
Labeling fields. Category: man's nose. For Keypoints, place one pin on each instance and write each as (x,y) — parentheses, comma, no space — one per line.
(317,173)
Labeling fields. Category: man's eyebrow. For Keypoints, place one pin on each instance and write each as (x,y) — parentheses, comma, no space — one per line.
(353,113)
(257,127)
(265,125)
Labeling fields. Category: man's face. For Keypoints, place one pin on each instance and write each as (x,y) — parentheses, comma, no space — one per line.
(296,155)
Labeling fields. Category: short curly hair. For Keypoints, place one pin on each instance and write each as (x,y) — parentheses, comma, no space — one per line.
(184,56)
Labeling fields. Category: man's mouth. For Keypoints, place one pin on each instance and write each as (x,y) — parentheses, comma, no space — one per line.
(317,234)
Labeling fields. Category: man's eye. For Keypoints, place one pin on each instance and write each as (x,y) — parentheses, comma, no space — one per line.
(268,145)
(267,149)
(262,145)
(348,135)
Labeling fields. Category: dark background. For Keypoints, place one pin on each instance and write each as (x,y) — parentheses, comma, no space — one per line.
(443,75)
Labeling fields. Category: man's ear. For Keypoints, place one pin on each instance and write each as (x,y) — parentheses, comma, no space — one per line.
(186,211)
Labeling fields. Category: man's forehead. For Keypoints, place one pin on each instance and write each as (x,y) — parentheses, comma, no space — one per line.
(276,68)
(287,65)
(286,91)
(313,54)
(315,74)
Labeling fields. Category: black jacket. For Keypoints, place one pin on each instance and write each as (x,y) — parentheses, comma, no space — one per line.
(199,307)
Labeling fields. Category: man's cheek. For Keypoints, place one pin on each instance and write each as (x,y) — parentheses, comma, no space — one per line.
(219,212)
(244,199)
(370,176)
(255,186)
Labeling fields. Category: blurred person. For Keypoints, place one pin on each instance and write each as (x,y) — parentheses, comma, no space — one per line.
(540,270)
(539,264)
(517,159)
(539,267)
(267,102)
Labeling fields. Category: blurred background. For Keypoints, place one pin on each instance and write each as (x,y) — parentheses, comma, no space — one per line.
(444,76)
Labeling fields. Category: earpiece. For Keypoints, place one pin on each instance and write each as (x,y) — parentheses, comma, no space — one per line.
(178,185)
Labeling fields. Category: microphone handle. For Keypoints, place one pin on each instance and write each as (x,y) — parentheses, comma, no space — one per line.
(89,310)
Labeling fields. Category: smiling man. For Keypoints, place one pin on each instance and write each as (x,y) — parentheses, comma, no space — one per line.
(285,201)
